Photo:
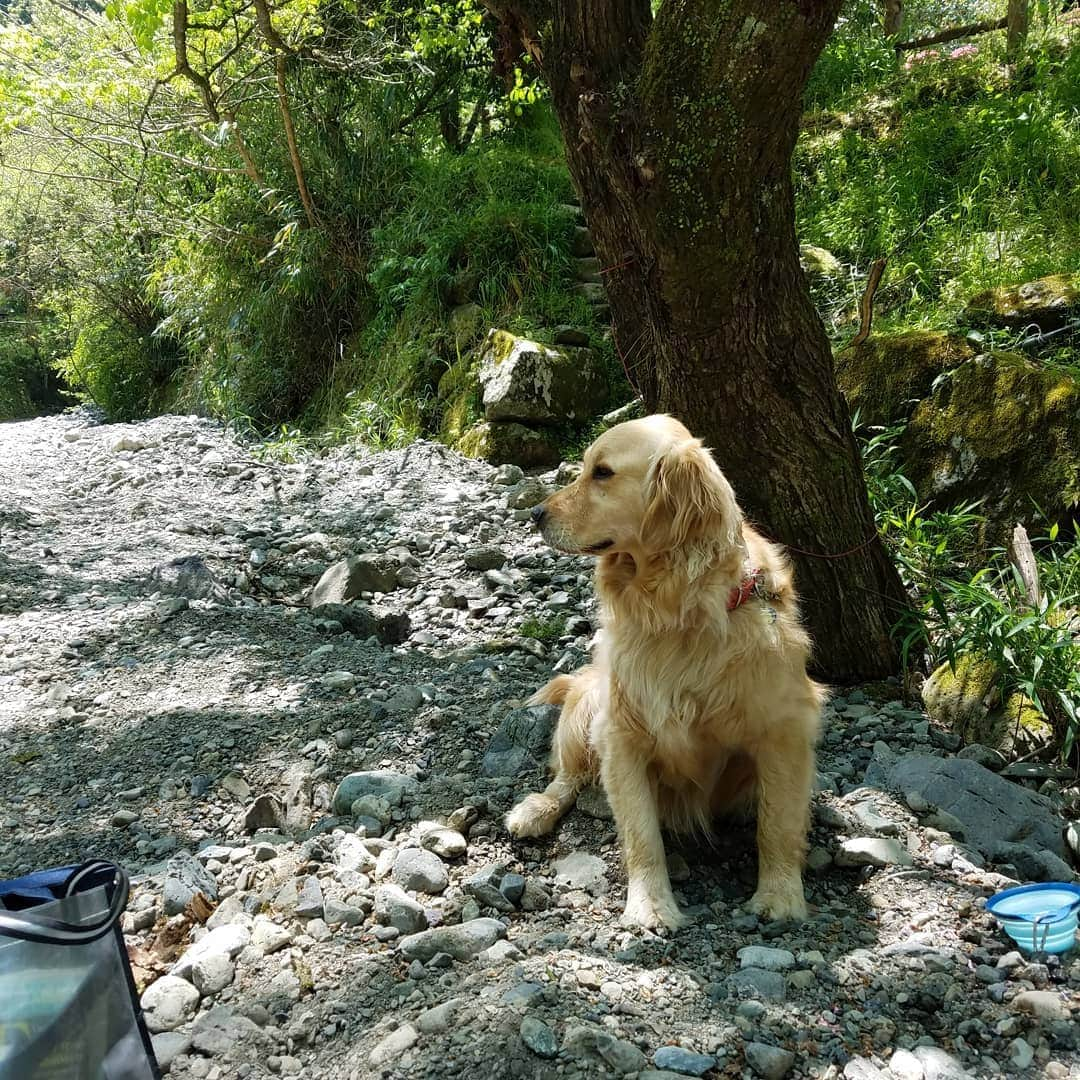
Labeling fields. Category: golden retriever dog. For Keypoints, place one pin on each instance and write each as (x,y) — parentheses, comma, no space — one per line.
(697,700)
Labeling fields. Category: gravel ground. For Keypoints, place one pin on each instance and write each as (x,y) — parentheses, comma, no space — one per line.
(168,699)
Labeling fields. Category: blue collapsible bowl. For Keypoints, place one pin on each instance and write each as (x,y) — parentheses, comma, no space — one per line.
(1039,918)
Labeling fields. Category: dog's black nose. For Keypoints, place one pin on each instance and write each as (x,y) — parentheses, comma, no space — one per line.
(538,514)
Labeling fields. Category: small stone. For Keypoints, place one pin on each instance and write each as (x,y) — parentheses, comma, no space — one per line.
(769,1062)
(904,1065)
(938,1064)
(338,680)
(462,942)
(579,870)
(394,1045)
(872,851)
(538,1037)
(679,1060)
(185,877)
(169,1002)
(169,1045)
(761,956)
(268,936)
(860,1068)
(1021,1054)
(487,557)
(1042,1004)
(438,1017)
(390,785)
(336,913)
(309,901)
(756,982)
(420,871)
(123,818)
(266,812)
(396,908)
(444,842)
(212,973)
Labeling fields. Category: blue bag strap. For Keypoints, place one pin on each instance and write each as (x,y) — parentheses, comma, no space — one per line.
(90,875)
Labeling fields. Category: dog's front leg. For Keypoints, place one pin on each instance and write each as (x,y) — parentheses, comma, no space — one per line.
(624,773)
(785,777)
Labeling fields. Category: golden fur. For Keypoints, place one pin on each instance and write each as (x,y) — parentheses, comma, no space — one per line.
(687,709)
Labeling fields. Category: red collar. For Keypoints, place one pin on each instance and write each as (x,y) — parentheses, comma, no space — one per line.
(745,589)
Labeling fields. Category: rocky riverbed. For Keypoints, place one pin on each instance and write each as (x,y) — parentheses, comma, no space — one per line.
(309,799)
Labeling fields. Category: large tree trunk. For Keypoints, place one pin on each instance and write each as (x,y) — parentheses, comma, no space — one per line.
(679,133)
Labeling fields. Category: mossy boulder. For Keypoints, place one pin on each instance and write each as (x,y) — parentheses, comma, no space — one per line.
(507,443)
(525,382)
(459,399)
(885,377)
(1001,429)
(968,701)
(1047,303)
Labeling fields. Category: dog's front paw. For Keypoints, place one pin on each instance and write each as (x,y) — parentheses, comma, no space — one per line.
(652,913)
(535,815)
(780,902)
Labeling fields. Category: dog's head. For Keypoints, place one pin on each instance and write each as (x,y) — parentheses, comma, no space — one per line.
(646,487)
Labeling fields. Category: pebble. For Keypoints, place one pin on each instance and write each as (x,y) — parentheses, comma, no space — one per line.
(538,1037)
(394,1045)
(168,1002)
(769,1062)
(462,941)
(420,871)
(872,851)
(687,1062)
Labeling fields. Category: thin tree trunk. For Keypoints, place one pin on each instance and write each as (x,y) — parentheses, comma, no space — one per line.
(894,18)
(1016,28)
(290,138)
(679,134)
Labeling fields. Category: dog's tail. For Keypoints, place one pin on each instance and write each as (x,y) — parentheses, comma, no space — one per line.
(554,692)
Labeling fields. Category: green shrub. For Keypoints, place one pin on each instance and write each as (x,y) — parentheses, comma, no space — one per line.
(968,601)
(127,374)
(964,171)
(546,630)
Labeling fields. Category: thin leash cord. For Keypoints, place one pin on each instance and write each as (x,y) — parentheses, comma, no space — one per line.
(827,555)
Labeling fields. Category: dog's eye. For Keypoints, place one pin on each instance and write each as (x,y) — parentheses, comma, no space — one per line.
(601,472)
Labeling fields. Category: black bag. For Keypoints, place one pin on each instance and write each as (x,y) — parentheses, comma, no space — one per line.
(68,1008)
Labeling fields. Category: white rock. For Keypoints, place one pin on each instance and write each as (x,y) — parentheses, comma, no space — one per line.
(168,1003)
(394,1045)
(872,851)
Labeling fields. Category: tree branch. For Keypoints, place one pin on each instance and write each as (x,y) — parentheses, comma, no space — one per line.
(953,33)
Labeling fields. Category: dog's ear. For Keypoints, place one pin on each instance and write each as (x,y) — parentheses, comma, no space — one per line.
(688,498)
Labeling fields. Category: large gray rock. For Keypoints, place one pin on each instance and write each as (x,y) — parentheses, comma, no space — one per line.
(522,741)
(387,784)
(348,578)
(462,941)
(184,878)
(188,576)
(532,383)
(996,815)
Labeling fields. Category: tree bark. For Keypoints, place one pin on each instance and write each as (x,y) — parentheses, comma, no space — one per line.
(679,133)
(893,18)
(1016,28)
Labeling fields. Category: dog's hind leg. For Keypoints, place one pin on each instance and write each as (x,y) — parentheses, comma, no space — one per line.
(572,759)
